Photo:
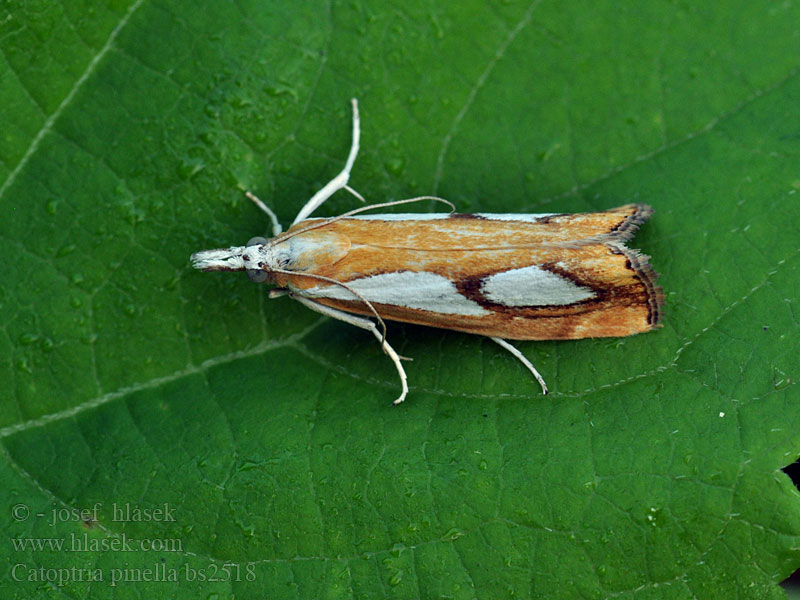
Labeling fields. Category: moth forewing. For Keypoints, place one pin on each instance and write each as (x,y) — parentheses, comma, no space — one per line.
(538,277)
(506,276)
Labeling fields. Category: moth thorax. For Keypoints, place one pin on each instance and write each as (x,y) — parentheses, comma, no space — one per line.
(311,250)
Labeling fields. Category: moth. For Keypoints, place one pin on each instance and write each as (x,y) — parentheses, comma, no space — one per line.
(546,276)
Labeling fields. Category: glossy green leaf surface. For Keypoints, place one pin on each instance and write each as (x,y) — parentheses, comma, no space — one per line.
(185,437)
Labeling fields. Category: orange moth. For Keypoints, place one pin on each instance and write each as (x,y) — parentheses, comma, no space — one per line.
(504,276)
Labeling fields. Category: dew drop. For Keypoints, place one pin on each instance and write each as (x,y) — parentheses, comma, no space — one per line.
(655,517)
(247,464)
(66,250)
(26,339)
(189,167)
(280,90)
(395,165)
(397,549)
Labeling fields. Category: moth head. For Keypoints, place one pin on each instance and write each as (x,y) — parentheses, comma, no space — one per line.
(237,258)
(257,275)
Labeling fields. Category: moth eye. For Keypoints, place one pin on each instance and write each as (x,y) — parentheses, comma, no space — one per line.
(256,241)
(256,275)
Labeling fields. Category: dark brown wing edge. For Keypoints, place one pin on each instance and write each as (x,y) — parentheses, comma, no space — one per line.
(638,261)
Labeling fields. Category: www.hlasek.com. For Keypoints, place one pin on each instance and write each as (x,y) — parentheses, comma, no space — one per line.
(158,572)
(83,543)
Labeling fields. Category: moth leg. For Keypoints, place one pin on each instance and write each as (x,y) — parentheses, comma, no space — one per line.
(277,293)
(523,360)
(276,227)
(340,181)
(363,324)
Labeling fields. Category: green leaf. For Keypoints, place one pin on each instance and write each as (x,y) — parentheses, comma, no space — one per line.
(259,437)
